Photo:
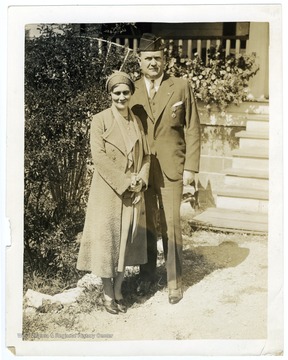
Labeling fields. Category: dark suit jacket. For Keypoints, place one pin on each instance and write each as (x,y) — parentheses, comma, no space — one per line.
(176,136)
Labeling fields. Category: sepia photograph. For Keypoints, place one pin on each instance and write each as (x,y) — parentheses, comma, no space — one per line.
(143,163)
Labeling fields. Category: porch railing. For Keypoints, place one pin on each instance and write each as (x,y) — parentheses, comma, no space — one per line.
(190,46)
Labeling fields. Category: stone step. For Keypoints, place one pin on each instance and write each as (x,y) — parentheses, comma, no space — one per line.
(254,142)
(244,134)
(234,221)
(247,178)
(238,198)
(246,182)
(243,204)
(250,163)
(258,117)
(257,125)
(256,138)
(243,193)
(251,152)
(249,173)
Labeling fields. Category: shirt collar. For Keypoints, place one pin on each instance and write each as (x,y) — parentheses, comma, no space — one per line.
(157,83)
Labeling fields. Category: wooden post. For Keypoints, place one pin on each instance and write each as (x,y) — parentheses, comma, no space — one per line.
(259,84)
(208,45)
(199,48)
(228,46)
(237,46)
(189,49)
(180,47)
(135,46)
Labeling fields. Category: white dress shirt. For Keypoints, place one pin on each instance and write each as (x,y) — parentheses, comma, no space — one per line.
(157,83)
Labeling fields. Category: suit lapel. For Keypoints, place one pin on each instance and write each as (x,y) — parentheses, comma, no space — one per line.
(163,95)
(143,97)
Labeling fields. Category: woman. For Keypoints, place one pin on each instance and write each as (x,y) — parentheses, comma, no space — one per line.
(114,234)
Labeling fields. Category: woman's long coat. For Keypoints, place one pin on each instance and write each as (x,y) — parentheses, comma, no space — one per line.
(99,247)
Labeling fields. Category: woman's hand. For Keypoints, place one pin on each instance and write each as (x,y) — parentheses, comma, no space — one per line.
(137,198)
(136,184)
(137,187)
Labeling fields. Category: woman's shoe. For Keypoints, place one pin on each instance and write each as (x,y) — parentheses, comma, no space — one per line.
(122,307)
(111,307)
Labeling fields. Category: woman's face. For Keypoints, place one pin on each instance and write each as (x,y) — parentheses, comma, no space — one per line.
(121,95)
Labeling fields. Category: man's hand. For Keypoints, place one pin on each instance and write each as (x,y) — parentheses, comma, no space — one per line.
(188,177)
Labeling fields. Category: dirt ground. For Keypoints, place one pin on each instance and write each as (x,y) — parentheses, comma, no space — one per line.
(225,297)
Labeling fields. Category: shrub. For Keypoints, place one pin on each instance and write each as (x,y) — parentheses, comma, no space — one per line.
(223,80)
(64,85)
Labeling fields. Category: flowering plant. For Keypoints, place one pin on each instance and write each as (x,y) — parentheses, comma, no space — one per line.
(223,80)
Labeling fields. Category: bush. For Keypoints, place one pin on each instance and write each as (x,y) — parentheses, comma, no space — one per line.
(223,80)
(64,86)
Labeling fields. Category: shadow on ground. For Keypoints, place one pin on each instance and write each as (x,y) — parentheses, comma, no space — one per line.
(198,262)
(203,260)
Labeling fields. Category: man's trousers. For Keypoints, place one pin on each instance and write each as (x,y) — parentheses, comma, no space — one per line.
(162,200)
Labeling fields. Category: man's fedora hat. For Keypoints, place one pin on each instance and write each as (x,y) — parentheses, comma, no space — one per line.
(150,42)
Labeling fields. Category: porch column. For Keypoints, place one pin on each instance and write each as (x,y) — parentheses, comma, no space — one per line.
(259,43)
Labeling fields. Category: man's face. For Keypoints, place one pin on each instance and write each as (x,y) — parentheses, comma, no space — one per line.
(152,63)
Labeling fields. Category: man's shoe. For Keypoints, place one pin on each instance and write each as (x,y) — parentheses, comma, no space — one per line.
(122,307)
(143,288)
(174,299)
(175,296)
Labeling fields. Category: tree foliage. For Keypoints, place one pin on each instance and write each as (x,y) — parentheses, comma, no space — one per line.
(65,76)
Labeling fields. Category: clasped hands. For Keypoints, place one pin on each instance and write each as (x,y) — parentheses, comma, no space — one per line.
(137,184)
(136,187)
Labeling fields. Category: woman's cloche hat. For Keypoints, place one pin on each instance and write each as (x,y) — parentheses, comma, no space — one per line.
(119,77)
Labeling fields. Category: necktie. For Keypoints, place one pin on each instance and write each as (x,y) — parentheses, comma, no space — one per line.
(152,90)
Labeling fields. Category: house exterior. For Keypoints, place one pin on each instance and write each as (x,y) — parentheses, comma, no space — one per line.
(235,37)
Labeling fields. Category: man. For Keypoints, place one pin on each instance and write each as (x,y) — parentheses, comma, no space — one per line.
(168,112)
